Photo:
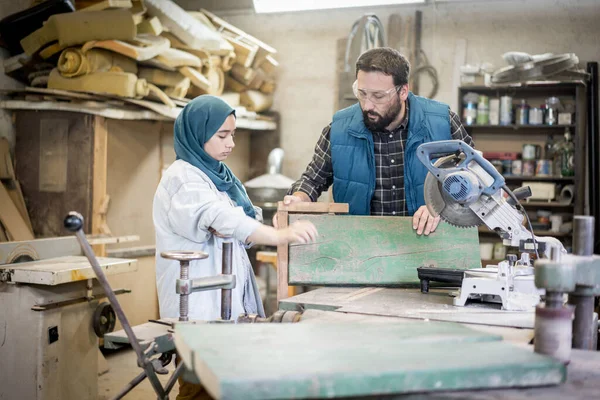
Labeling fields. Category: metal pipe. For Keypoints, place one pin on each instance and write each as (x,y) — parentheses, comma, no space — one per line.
(583,235)
(583,329)
(74,223)
(594,147)
(554,299)
(130,386)
(226,293)
(173,378)
(224,282)
(417,58)
(184,298)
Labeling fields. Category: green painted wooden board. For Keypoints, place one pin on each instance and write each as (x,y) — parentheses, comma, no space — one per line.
(377,251)
(309,360)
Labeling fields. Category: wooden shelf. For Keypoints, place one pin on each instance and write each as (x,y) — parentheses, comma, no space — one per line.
(514,127)
(539,178)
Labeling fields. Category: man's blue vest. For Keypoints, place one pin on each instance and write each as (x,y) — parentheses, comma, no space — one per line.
(353,156)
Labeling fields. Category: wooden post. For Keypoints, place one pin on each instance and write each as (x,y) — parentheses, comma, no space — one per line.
(99,181)
(283,212)
(282,255)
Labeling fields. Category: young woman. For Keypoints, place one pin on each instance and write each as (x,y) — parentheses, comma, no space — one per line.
(199,204)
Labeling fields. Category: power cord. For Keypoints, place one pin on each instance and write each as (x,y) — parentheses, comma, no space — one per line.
(431,71)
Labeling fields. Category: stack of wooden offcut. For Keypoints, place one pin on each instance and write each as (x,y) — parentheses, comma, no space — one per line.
(150,49)
(14,220)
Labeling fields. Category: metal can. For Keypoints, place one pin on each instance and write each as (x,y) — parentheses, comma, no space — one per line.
(498,165)
(522,117)
(483,110)
(530,152)
(507,167)
(528,168)
(506,111)
(517,167)
(536,116)
(543,168)
(470,113)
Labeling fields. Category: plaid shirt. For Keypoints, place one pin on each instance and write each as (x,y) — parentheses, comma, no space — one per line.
(389,198)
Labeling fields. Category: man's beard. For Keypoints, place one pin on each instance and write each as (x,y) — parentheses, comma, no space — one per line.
(383,121)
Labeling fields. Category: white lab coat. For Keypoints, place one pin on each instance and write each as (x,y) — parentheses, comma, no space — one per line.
(186,205)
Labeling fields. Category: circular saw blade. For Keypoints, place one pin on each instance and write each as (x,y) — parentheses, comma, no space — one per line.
(440,203)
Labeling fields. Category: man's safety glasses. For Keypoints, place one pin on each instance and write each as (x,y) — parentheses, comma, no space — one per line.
(375,96)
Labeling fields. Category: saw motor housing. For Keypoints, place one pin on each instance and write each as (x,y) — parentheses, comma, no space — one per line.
(465,190)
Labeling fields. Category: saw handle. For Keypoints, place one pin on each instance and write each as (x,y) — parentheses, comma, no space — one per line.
(433,150)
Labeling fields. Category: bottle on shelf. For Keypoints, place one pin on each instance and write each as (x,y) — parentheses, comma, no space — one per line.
(549,148)
(564,155)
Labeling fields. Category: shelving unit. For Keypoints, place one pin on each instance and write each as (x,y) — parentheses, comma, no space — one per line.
(511,138)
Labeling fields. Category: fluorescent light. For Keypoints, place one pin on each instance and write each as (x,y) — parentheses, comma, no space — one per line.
(273,6)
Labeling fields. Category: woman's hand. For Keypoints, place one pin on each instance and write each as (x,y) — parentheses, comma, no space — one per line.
(298,232)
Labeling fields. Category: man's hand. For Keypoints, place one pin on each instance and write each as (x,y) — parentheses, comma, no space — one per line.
(424,222)
(297,197)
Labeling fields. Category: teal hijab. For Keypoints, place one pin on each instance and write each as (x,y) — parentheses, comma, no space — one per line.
(200,119)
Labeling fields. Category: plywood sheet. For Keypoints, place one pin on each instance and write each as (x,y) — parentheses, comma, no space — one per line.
(285,361)
(377,251)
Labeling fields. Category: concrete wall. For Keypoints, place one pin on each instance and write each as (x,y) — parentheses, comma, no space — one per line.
(306,42)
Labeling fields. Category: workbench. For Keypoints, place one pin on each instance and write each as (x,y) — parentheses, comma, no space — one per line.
(370,331)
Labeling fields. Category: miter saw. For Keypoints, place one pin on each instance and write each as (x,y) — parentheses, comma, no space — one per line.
(466,190)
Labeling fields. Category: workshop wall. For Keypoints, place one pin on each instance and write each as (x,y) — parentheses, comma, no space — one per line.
(306,45)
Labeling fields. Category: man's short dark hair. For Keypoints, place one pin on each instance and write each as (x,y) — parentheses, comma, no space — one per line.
(385,60)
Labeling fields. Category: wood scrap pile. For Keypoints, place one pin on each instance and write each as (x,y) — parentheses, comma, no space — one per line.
(14,220)
(151,51)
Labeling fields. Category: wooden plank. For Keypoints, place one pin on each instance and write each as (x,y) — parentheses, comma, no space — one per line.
(187,28)
(108,112)
(306,207)
(99,181)
(16,194)
(6,165)
(267,257)
(354,359)
(377,251)
(11,219)
(57,271)
(282,257)
(225,25)
(411,304)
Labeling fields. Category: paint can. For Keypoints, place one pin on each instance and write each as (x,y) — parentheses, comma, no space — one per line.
(494,116)
(528,168)
(531,152)
(507,167)
(517,167)
(522,117)
(536,116)
(543,168)
(483,110)
(498,165)
(506,111)
(470,113)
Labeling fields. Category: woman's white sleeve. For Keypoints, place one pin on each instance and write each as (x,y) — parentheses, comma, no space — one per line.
(195,208)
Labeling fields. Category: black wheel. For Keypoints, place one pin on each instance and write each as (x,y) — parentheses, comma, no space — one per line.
(104,319)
